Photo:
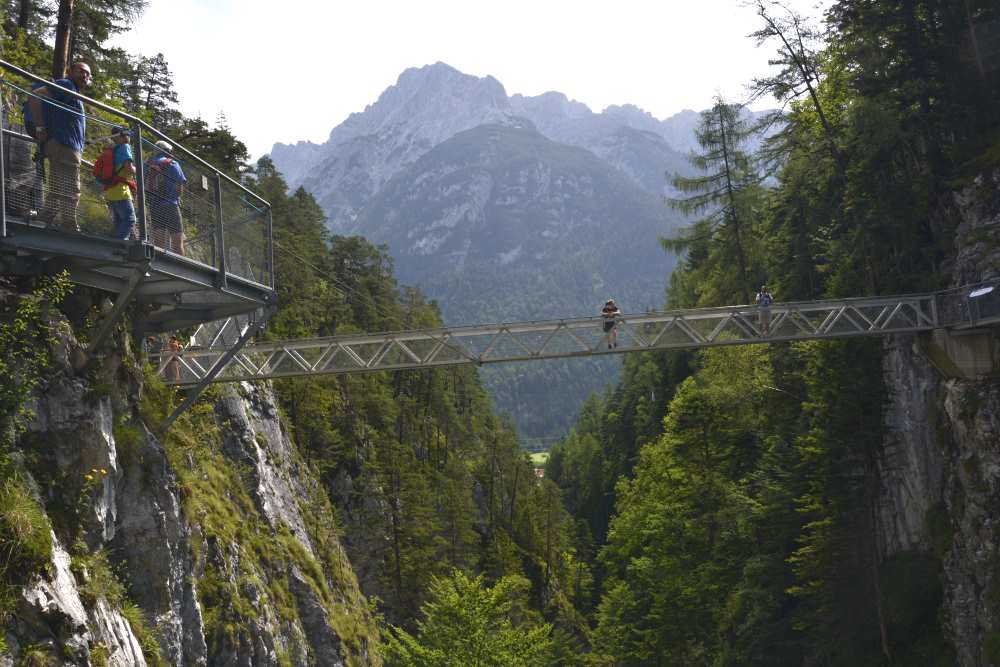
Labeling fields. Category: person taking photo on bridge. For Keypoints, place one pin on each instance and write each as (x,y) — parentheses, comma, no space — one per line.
(610,313)
(60,128)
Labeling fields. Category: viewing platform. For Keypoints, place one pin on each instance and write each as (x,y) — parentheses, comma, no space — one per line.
(216,265)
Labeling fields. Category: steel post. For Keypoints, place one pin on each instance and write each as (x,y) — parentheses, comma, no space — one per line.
(121,302)
(220,239)
(270,249)
(3,171)
(140,180)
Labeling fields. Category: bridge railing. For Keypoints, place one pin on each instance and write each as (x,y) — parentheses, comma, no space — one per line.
(222,223)
(517,341)
(969,305)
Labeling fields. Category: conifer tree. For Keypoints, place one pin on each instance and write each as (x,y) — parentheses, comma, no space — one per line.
(724,196)
(465,623)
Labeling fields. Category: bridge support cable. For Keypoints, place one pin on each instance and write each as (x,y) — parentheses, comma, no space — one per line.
(521,341)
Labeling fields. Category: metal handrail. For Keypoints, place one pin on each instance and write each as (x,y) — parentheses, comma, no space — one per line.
(145,134)
(133,119)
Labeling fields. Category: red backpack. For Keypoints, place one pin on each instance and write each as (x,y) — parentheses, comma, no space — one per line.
(104,168)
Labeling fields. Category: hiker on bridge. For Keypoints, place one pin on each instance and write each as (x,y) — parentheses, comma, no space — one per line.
(610,313)
(764,301)
(60,128)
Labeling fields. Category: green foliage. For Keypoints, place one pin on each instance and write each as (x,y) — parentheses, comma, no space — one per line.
(37,656)
(752,540)
(99,655)
(675,550)
(722,245)
(24,352)
(144,633)
(25,532)
(464,623)
(95,577)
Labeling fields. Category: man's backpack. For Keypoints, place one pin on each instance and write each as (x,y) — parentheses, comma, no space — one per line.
(104,168)
(30,126)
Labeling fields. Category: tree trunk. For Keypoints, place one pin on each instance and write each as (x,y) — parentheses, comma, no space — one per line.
(64,23)
(730,190)
(23,14)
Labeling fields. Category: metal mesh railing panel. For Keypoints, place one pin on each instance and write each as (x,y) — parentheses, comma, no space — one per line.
(180,203)
(245,232)
(185,220)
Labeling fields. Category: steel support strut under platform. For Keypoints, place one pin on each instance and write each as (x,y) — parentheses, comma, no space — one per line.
(121,301)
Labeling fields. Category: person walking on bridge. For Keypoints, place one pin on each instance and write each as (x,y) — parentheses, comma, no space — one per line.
(60,127)
(610,313)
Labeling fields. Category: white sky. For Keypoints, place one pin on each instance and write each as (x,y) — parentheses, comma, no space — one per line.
(294,69)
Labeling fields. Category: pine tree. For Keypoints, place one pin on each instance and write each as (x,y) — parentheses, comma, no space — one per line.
(725,195)
(465,624)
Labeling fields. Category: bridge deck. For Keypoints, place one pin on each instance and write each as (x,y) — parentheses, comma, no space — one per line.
(177,291)
(519,341)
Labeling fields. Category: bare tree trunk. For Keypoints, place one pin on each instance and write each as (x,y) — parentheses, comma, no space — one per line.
(975,44)
(64,26)
(23,14)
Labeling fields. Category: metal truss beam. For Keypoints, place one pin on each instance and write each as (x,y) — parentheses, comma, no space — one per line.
(210,375)
(521,341)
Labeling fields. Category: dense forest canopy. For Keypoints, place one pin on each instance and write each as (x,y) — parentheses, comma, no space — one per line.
(714,508)
(739,529)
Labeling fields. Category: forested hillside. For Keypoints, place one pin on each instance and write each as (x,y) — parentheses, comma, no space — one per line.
(502,224)
(763,505)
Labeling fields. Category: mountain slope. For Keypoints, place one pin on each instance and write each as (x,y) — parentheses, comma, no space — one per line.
(500,223)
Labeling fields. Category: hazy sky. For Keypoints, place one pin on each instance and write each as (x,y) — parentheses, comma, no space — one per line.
(293,69)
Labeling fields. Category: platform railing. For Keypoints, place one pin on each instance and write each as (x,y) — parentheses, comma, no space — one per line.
(223,224)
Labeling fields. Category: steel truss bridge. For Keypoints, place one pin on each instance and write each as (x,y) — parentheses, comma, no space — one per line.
(219,361)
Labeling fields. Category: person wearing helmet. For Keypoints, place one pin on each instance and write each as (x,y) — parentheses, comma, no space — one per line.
(610,313)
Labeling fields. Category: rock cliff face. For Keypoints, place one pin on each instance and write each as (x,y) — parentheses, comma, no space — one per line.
(212,545)
(941,465)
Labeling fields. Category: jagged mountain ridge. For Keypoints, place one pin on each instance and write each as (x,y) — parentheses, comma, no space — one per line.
(430,104)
